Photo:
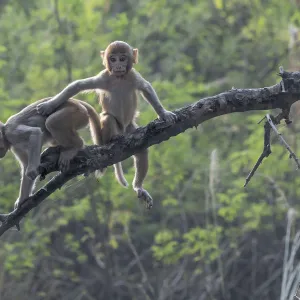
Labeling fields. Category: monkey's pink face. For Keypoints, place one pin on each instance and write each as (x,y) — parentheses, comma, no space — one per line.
(118,63)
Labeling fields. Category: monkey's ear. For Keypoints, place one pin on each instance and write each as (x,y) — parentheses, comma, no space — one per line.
(135,55)
(102,54)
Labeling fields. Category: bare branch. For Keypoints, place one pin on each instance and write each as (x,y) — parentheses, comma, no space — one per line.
(292,154)
(122,147)
(266,152)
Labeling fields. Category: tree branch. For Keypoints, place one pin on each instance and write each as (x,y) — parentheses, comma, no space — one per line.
(282,140)
(124,146)
(266,151)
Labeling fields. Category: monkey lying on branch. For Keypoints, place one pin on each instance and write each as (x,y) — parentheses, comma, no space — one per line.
(27,131)
(117,86)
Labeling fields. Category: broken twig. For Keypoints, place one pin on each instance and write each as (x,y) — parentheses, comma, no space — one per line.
(266,151)
(269,124)
(282,140)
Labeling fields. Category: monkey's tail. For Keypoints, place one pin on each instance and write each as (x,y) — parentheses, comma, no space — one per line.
(95,126)
(120,175)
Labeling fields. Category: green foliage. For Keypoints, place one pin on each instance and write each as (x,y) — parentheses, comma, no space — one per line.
(165,247)
(188,50)
(203,243)
(232,203)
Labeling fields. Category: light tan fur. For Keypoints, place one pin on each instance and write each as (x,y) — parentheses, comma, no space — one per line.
(27,131)
(117,86)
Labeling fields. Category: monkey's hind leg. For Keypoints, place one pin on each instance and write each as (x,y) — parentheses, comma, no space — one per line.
(34,152)
(26,188)
(109,129)
(63,126)
(27,183)
(141,169)
(28,147)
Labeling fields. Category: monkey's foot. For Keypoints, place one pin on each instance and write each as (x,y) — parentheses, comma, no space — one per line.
(17,204)
(99,173)
(145,196)
(32,173)
(63,165)
(65,158)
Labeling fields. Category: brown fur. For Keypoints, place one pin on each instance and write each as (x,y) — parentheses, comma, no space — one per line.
(117,86)
(27,131)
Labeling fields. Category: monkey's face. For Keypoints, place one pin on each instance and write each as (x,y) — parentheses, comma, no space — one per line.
(118,64)
(118,58)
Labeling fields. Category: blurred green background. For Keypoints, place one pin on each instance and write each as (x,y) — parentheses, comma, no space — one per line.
(206,237)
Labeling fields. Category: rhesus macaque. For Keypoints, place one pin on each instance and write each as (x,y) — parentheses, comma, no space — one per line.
(27,131)
(117,86)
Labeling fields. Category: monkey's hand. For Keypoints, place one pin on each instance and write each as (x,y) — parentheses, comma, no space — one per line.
(168,116)
(45,108)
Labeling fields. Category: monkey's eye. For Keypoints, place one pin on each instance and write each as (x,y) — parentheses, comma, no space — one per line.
(123,58)
(112,59)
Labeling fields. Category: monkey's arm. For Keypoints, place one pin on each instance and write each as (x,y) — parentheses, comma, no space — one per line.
(150,95)
(91,83)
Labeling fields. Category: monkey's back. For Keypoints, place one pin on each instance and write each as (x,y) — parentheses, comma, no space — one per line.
(29,116)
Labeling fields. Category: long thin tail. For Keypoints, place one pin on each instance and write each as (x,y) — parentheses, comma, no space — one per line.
(95,129)
(120,175)
(95,126)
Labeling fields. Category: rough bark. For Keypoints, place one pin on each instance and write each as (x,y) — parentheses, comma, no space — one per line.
(281,95)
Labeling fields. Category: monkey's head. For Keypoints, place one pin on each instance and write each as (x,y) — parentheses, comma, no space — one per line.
(119,57)
(3,142)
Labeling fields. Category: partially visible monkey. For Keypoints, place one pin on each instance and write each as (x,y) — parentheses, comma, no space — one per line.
(27,131)
(117,86)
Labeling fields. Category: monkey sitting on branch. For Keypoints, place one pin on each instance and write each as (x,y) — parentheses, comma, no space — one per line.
(27,131)
(117,86)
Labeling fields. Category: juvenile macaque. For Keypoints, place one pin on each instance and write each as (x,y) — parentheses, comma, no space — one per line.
(27,131)
(117,86)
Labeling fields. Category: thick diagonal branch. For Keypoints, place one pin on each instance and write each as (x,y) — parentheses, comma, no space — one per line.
(94,157)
